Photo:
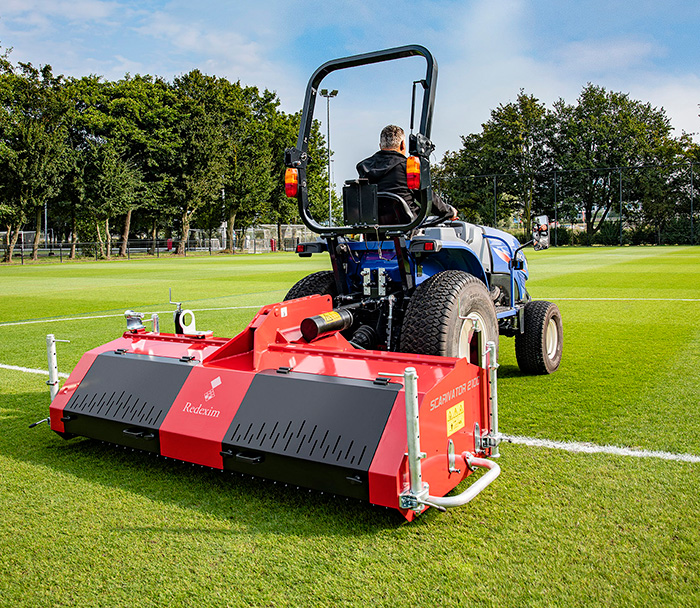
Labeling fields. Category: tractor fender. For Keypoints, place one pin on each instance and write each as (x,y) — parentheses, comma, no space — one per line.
(451,256)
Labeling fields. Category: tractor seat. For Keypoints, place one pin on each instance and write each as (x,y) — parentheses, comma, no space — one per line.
(393,209)
(363,206)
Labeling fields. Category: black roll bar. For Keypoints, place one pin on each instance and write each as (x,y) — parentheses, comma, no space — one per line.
(419,143)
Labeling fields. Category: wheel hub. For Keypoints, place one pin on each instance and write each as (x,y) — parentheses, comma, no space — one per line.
(472,320)
(551,339)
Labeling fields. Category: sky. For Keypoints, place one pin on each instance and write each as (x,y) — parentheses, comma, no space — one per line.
(486,51)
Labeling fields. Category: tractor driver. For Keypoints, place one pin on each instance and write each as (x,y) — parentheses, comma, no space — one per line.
(387,169)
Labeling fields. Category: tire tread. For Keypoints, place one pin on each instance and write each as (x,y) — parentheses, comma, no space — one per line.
(529,349)
(425,326)
(321,283)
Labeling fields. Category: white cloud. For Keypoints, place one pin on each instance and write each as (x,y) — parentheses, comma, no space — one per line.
(497,55)
(122,66)
(223,49)
(39,11)
(487,63)
(606,56)
(487,50)
(679,96)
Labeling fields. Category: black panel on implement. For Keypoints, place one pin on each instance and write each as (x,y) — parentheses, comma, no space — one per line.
(314,431)
(124,398)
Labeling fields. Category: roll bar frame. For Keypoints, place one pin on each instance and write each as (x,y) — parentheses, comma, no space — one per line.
(419,143)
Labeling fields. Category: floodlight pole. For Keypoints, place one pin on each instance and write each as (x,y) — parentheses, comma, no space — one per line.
(328,96)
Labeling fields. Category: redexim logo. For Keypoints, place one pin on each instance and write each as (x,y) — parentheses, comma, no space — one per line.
(202,411)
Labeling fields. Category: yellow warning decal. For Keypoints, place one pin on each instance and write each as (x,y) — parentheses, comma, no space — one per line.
(329,317)
(455,418)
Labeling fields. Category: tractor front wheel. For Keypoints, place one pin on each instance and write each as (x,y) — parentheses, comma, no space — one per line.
(538,349)
(443,312)
(319,283)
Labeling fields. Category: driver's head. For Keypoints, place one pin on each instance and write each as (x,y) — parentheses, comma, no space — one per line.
(392,138)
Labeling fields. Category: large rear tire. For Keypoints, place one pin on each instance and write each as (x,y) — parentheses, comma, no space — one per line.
(441,315)
(319,283)
(538,349)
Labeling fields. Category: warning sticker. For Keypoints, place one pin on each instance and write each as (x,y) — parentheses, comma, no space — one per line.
(329,317)
(455,418)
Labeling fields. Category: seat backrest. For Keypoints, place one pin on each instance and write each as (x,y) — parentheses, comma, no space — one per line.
(393,209)
(360,206)
(364,206)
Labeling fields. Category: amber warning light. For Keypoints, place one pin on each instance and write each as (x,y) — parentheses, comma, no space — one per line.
(291,182)
(413,172)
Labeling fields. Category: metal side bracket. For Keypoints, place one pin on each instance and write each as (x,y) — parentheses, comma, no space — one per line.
(53,364)
(417,497)
(485,441)
(493,366)
(473,490)
(135,320)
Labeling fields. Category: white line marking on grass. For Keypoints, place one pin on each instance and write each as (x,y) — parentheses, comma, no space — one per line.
(567,446)
(227,308)
(629,299)
(592,448)
(159,312)
(29,370)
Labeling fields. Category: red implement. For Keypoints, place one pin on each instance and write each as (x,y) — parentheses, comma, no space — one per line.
(322,414)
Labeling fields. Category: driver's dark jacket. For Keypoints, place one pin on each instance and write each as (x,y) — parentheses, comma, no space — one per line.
(387,169)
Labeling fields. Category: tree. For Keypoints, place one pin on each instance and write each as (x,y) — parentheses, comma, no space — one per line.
(660,192)
(317,176)
(197,158)
(605,130)
(516,140)
(142,118)
(112,187)
(32,140)
(248,179)
(463,181)
(282,209)
(86,118)
(513,148)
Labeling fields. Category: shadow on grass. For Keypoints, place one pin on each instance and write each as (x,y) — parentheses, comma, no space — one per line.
(254,503)
(510,371)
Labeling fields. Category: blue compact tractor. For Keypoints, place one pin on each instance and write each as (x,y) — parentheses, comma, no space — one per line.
(420,284)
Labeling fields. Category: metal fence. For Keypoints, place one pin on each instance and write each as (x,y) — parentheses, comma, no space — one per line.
(258,239)
(650,204)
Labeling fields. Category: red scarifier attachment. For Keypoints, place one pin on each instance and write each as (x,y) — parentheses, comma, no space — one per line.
(395,429)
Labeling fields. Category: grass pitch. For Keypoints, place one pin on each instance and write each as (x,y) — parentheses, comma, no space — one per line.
(92,525)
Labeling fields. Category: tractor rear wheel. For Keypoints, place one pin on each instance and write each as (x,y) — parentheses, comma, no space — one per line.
(442,313)
(319,283)
(538,349)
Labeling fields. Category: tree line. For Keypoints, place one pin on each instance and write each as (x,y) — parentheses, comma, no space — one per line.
(143,154)
(580,159)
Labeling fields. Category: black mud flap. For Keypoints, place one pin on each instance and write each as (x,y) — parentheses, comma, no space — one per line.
(319,432)
(124,398)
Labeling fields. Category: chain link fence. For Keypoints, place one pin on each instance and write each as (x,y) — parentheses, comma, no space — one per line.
(654,204)
(259,239)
